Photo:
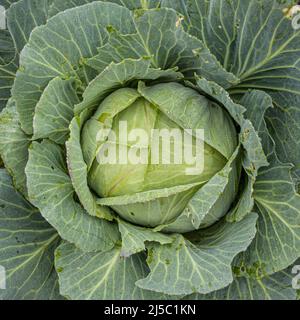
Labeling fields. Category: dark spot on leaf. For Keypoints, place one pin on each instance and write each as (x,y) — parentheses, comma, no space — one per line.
(138,13)
(57,254)
(110,29)
(150,256)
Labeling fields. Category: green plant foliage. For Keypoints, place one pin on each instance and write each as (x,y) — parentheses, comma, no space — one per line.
(71,226)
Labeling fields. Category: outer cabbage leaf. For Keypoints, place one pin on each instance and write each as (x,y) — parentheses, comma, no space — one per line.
(160,36)
(59,6)
(248,37)
(27,244)
(7,3)
(134,238)
(283,123)
(51,190)
(20,26)
(275,287)
(7,76)
(60,49)
(203,265)
(276,245)
(14,146)
(7,48)
(101,276)
(55,110)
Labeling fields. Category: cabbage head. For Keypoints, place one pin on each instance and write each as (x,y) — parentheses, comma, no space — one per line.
(84,82)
